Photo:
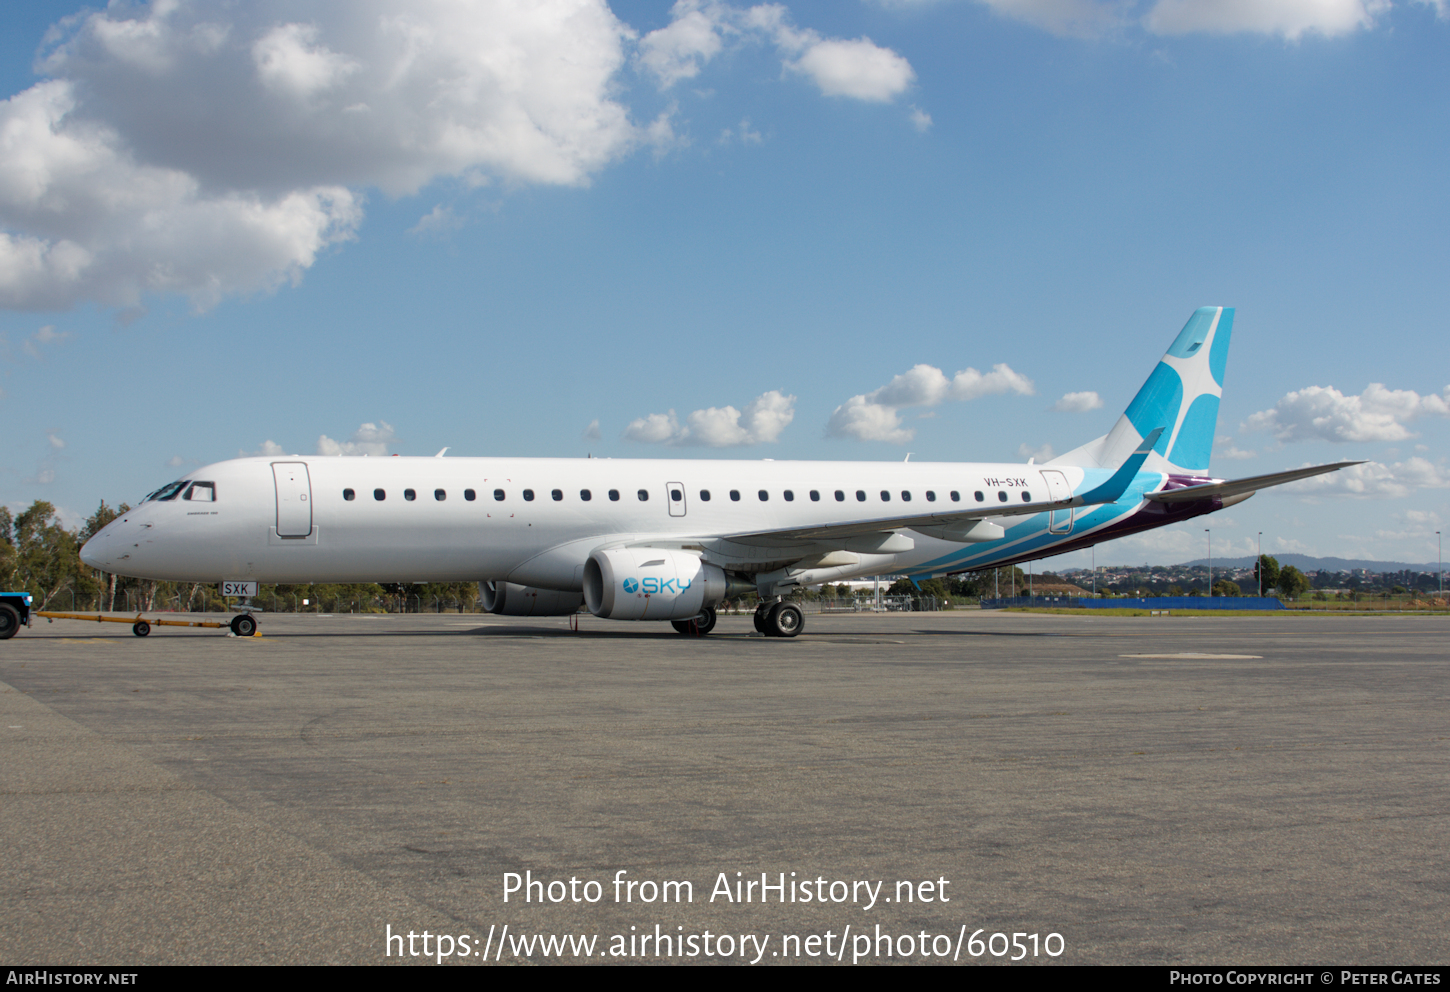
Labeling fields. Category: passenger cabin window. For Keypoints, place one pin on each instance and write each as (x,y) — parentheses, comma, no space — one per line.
(860,495)
(789,496)
(840,496)
(704,495)
(1026,496)
(201,492)
(470,495)
(498,495)
(614,495)
(885,496)
(905,496)
(815,496)
(440,494)
(643,495)
(557,495)
(528,496)
(677,495)
(735,495)
(585,495)
(764,495)
(979,496)
(1002,497)
(930,496)
(380,494)
(349,495)
(410,494)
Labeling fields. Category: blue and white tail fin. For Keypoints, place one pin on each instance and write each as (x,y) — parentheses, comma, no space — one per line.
(1181,396)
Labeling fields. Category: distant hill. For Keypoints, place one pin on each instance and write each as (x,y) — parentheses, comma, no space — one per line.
(1305,563)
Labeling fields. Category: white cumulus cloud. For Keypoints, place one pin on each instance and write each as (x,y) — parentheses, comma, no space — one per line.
(875,416)
(761,422)
(1323,413)
(858,69)
(1081,18)
(1290,19)
(269,448)
(1376,479)
(213,148)
(1287,18)
(206,149)
(1078,402)
(369,439)
(699,29)
(45,336)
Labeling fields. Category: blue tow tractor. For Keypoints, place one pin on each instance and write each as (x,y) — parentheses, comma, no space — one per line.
(15,612)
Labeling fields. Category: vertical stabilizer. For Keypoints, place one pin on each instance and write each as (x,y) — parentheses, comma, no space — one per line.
(1181,396)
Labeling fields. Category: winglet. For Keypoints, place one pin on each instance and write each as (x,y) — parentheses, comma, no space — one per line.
(1118,484)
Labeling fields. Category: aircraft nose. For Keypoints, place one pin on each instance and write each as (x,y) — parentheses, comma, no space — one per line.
(91,553)
(99,551)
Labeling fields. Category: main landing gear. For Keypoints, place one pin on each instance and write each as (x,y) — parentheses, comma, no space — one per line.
(779,619)
(696,626)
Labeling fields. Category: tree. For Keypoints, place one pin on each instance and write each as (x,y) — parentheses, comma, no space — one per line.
(46,554)
(1223,587)
(1267,567)
(1292,582)
(7,549)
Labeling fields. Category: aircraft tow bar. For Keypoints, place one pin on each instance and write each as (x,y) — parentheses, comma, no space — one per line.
(243,625)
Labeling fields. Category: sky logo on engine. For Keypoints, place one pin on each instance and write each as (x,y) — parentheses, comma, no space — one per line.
(651,586)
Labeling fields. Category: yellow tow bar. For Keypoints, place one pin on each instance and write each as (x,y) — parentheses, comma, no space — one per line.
(242,625)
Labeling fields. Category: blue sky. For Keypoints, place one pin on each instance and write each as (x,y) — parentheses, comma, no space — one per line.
(715,230)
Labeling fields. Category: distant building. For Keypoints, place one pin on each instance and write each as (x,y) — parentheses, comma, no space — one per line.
(1055,589)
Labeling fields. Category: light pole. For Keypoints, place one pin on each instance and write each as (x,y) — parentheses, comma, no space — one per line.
(1210,561)
(1259,565)
(1440,564)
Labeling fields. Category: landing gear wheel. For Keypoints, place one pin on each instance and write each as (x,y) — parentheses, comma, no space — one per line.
(760,613)
(244,625)
(705,622)
(696,626)
(785,620)
(140,628)
(9,621)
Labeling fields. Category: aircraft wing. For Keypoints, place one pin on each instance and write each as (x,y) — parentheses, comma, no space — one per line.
(1234,487)
(858,528)
(1107,492)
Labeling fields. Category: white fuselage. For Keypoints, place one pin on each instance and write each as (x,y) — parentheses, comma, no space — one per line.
(260,526)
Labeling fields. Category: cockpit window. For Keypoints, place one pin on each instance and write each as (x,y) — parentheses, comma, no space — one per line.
(168,491)
(201,492)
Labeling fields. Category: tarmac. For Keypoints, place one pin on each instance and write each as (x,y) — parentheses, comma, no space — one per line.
(1164,791)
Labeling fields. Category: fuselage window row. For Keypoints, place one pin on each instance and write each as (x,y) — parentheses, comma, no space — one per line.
(207,494)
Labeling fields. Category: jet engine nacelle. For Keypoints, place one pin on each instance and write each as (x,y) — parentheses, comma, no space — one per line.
(651,584)
(507,599)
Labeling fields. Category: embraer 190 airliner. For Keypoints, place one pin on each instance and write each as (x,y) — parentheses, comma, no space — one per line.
(670,540)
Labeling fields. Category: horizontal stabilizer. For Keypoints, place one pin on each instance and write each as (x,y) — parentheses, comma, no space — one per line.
(1234,487)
